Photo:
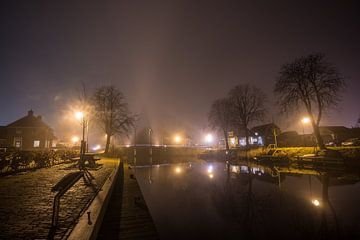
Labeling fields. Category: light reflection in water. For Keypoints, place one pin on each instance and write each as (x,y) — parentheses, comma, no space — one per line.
(315,202)
(247,196)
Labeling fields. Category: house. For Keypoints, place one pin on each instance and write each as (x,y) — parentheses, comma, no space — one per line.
(232,140)
(3,137)
(264,135)
(290,139)
(27,133)
(336,134)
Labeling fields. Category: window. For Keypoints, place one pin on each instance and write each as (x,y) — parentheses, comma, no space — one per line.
(36,143)
(17,142)
(18,131)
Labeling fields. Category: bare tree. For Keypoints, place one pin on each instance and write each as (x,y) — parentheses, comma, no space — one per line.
(310,82)
(112,113)
(85,106)
(220,117)
(247,107)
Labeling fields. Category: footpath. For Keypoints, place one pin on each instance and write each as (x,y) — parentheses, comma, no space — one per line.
(127,216)
(26,200)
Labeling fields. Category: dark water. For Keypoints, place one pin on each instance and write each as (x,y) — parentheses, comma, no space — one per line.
(248,201)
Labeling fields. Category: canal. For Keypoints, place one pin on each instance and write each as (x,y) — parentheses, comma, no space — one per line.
(251,201)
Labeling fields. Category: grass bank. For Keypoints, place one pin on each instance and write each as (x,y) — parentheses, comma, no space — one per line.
(346,152)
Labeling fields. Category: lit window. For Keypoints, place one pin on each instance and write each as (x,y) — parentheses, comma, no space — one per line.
(36,143)
(260,141)
(18,144)
(242,142)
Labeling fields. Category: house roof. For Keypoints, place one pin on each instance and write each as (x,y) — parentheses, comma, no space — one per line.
(289,134)
(333,129)
(29,121)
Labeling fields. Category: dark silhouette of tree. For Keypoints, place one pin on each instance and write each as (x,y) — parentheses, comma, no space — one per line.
(112,113)
(247,107)
(219,117)
(311,82)
(357,125)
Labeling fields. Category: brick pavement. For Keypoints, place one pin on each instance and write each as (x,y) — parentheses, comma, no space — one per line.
(26,200)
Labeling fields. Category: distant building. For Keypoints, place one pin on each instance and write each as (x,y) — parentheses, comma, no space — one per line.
(232,140)
(261,135)
(27,133)
(264,135)
(336,134)
(329,134)
(290,139)
(3,140)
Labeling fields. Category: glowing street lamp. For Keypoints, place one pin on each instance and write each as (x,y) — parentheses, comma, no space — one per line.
(79,115)
(177,139)
(75,139)
(178,170)
(305,120)
(209,138)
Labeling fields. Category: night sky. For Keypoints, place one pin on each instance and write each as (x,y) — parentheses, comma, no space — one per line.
(171,59)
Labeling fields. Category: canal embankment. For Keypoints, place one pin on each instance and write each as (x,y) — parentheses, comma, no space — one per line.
(345,152)
(127,215)
(350,156)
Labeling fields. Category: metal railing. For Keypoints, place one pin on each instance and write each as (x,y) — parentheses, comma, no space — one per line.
(61,188)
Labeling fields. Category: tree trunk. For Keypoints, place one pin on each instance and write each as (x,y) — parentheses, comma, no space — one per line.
(318,137)
(107,146)
(316,130)
(247,136)
(226,141)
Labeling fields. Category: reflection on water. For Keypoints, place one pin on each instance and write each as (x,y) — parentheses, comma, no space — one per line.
(251,201)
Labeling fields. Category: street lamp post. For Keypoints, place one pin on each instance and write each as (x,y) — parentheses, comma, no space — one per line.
(135,148)
(150,152)
(150,146)
(304,121)
(80,116)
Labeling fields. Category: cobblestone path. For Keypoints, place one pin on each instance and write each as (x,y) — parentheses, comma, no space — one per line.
(26,200)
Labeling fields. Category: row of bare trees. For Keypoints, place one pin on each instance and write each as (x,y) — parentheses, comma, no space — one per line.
(309,82)
(243,105)
(248,106)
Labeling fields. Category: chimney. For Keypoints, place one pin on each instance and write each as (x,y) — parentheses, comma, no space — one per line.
(30,113)
(39,117)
